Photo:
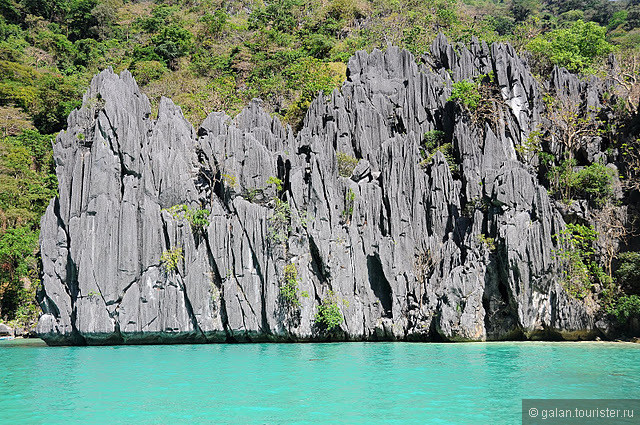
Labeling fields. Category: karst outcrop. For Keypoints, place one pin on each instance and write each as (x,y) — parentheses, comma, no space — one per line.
(350,211)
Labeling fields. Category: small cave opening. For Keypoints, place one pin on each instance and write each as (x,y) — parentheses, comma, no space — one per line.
(380,285)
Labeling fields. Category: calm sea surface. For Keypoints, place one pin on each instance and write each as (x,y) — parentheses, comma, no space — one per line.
(352,383)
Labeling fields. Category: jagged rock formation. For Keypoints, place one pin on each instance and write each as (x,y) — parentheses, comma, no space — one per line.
(411,251)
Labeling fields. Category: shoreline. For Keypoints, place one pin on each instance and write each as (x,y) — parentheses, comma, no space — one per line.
(21,341)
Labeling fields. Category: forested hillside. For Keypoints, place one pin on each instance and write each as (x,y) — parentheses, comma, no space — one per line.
(218,55)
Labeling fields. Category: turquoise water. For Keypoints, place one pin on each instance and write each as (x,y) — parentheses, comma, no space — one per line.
(306,383)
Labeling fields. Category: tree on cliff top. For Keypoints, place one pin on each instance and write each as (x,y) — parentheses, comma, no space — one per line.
(575,48)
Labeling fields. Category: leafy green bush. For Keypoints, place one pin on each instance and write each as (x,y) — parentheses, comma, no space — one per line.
(329,316)
(28,311)
(308,76)
(230,180)
(277,15)
(346,9)
(160,16)
(530,147)
(57,96)
(10,12)
(625,307)
(489,243)
(575,48)
(575,251)
(279,223)
(58,45)
(18,247)
(289,288)
(214,22)
(148,70)
(617,19)
(594,182)
(145,54)
(89,53)
(432,139)
(416,40)
(560,176)
(501,24)
(346,164)
(522,9)
(318,45)
(433,142)
(628,273)
(466,93)
(172,43)
(198,218)
(170,259)
(349,202)
(276,182)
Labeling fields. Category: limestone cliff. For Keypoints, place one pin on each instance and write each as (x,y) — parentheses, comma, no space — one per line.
(410,249)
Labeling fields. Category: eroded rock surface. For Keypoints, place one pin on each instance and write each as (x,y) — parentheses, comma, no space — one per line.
(410,251)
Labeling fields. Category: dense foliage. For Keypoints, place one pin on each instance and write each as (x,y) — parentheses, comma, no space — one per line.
(289,287)
(198,219)
(170,259)
(466,93)
(581,272)
(218,54)
(629,272)
(575,48)
(328,316)
(27,183)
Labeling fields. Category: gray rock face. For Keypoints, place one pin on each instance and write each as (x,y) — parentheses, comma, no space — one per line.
(407,251)
(6,330)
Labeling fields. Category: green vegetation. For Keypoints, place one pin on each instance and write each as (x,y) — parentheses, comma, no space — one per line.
(628,273)
(289,287)
(531,147)
(349,202)
(575,48)
(306,78)
(170,259)
(433,142)
(27,183)
(276,182)
(466,93)
(432,139)
(346,164)
(594,182)
(489,243)
(198,218)
(560,176)
(279,223)
(580,268)
(210,54)
(230,180)
(329,316)
(218,55)
(171,43)
(625,307)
